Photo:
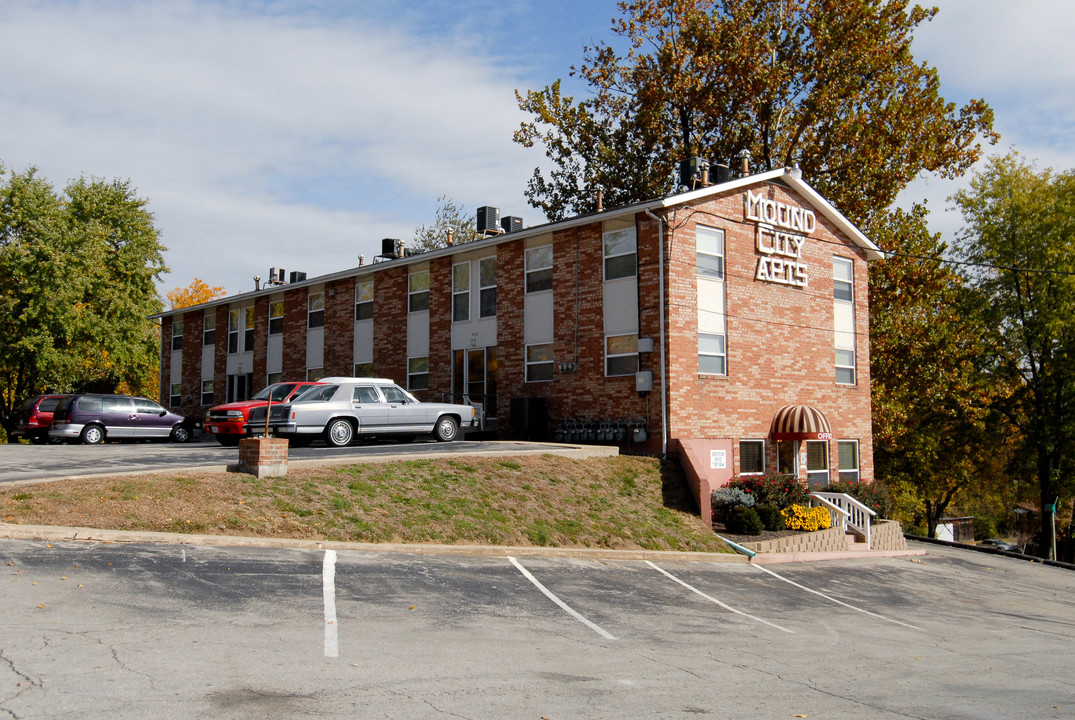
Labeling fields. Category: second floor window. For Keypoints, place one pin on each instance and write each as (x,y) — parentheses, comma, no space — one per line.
(276,317)
(487,287)
(461,292)
(233,332)
(418,291)
(539,269)
(621,256)
(209,329)
(177,335)
(710,252)
(316,316)
(364,300)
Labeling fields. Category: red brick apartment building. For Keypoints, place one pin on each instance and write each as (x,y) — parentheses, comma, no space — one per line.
(731,319)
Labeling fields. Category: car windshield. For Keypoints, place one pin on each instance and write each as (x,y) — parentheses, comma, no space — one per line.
(278,392)
(318,393)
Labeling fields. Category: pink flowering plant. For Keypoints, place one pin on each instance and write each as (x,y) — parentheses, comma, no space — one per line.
(779,490)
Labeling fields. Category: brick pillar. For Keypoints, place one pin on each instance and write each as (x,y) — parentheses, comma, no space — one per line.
(390,325)
(440,327)
(295,318)
(340,327)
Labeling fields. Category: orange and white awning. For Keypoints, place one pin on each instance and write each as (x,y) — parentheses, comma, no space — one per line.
(800,422)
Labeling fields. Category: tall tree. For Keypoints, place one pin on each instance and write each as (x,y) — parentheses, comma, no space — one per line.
(77,274)
(1020,231)
(830,85)
(931,401)
(196,293)
(450,220)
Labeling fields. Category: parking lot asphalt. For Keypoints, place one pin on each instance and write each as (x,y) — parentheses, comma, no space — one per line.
(97,630)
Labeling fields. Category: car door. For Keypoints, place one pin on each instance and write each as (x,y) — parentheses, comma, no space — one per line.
(153,420)
(370,409)
(118,416)
(405,414)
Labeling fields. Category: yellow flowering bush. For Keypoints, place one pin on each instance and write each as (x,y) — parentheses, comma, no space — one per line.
(799,517)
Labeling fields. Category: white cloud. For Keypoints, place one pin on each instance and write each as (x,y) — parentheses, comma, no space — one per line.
(1018,57)
(257,137)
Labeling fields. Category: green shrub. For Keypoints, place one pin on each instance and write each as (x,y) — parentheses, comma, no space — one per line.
(744,521)
(770,517)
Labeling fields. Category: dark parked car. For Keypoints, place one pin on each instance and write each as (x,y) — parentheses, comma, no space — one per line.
(226,422)
(35,417)
(92,419)
(998,544)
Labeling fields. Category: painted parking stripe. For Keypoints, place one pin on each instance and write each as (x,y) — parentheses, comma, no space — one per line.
(832,599)
(328,582)
(563,606)
(718,602)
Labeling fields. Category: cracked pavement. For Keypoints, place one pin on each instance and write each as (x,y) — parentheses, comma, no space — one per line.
(100,630)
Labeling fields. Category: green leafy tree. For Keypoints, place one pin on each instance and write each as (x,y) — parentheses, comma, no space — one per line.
(450,220)
(1020,230)
(931,400)
(830,85)
(77,274)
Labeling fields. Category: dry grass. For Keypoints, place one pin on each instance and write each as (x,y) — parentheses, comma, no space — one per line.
(619,502)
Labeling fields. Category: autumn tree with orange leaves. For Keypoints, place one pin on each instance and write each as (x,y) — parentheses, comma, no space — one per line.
(196,293)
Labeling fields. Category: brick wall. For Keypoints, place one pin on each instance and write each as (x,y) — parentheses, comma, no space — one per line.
(440,328)
(390,324)
(166,359)
(340,327)
(191,373)
(295,318)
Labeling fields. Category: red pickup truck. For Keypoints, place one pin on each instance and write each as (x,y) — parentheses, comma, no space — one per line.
(225,422)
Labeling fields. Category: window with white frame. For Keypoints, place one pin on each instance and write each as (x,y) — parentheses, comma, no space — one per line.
(843,297)
(175,394)
(539,365)
(249,322)
(209,329)
(418,373)
(418,291)
(712,358)
(207,392)
(847,452)
(751,457)
(843,281)
(538,268)
(621,355)
(487,287)
(710,246)
(363,300)
(315,313)
(177,335)
(817,463)
(233,331)
(845,367)
(276,317)
(461,292)
(621,254)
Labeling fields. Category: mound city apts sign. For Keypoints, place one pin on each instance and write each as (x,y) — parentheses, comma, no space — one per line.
(782,230)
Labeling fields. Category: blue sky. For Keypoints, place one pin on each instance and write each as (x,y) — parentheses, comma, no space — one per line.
(298,134)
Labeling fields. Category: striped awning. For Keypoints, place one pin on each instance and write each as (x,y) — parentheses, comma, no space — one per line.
(800,422)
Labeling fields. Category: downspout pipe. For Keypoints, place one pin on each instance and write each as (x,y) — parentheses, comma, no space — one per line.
(661,309)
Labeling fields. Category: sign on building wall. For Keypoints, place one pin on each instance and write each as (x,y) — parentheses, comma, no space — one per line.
(718,459)
(781,233)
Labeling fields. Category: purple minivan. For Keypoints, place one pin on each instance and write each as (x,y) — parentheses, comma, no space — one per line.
(92,419)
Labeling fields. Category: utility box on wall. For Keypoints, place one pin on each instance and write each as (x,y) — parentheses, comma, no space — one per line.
(644,381)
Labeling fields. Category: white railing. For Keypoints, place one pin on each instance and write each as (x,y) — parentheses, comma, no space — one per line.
(847,512)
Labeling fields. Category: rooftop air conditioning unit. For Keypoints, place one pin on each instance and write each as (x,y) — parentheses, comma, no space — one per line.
(690,172)
(511,223)
(297,276)
(276,276)
(720,174)
(488,219)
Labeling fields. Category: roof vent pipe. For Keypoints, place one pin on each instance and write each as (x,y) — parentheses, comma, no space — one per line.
(744,162)
(600,200)
(451,239)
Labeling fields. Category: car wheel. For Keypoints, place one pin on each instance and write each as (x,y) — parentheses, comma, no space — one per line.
(92,435)
(339,433)
(446,429)
(228,440)
(180,434)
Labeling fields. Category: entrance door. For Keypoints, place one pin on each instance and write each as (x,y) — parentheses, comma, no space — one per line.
(787,457)
(474,379)
(240,387)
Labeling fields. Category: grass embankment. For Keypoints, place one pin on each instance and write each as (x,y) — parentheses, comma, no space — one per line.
(619,502)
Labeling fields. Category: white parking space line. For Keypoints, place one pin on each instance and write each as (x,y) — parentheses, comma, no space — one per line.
(718,602)
(832,599)
(563,606)
(328,582)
